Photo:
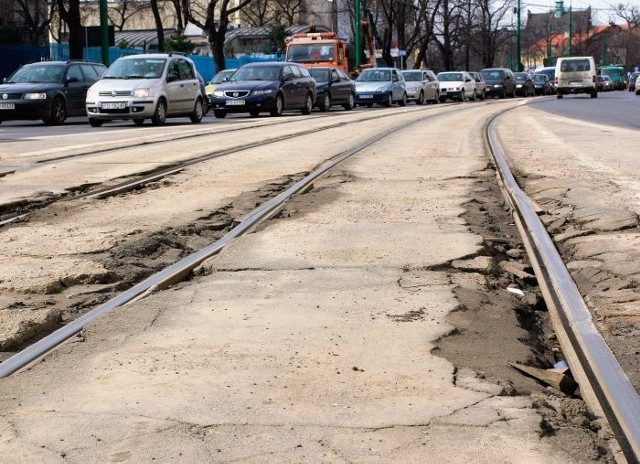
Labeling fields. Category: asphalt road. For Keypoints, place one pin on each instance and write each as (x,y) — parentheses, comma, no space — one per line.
(616,108)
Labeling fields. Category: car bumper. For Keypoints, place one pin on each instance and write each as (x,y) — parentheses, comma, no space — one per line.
(413,94)
(495,91)
(243,105)
(11,110)
(365,98)
(445,93)
(121,108)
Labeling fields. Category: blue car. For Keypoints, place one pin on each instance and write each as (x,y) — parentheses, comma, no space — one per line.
(271,87)
(382,86)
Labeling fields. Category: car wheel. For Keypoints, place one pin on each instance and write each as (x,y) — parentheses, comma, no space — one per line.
(95,122)
(137,121)
(58,113)
(473,96)
(403,102)
(442,99)
(462,96)
(160,114)
(254,113)
(420,100)
(277,111)
(369,105)
(351,103)
(325,103)
(220,114)
(594,94)
(308,105)
(436,97)
(559,96)
(389,101)
(198,112)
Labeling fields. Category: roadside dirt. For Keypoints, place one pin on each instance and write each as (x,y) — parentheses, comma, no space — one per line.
(495,327)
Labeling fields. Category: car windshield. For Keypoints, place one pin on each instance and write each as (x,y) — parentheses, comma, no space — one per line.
(136,68)
(612,71)
(521,77)
(375,75)
(221,76)
(450,77)
(309,53)
(539,77)
(320,75)
(257,73)
(549,72)
(38,73)
(415,76)
(493,75)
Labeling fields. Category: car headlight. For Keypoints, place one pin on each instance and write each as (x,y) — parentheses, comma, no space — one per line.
(35,96)
(497,86)
(262,92)
(142,93)
(218,93)
(381,89)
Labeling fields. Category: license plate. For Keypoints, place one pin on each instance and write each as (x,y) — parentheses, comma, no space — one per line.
(575,83)
(114,106)
(7,106)
(364,97)
(234,102)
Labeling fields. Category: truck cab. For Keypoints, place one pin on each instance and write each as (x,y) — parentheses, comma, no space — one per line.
(318,49)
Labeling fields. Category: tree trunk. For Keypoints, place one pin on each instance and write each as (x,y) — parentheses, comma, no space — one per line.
(159,26)
(71,17)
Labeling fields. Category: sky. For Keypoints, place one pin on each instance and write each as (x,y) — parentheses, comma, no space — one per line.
(601,9)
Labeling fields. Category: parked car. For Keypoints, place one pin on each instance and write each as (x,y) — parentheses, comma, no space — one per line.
(632,80)
(383,86)
(48,90)
(500,82)
(481,85)
(550,72)
(542,84)
(576,74)
(219,78)
(456,85)
(524,84)
(334,88)
(272,86)
(422,86)
(156,86)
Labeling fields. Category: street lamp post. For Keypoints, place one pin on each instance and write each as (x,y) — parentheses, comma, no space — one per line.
(104,32)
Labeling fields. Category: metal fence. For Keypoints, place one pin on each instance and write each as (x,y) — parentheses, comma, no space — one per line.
(14,56)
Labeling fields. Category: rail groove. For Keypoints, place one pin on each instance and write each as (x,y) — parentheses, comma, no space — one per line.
(603,384)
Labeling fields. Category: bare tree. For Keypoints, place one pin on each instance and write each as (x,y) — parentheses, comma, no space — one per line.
(124,10)
(34,16)
(215,27)
(289,11)
(491,17)
(69,11)
(262,13)
(158,22)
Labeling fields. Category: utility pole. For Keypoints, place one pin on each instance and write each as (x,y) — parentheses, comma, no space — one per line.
(519,43)
(570,30)
(358,33)
(549,44)
(104,32)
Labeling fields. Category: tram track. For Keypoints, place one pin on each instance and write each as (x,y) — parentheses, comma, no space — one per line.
(9,215)
(603,384)
(624,425)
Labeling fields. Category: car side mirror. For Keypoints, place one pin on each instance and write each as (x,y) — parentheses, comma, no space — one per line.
(5,80)
(335,79)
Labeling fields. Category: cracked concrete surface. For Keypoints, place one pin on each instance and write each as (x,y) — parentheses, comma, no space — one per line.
(285,347)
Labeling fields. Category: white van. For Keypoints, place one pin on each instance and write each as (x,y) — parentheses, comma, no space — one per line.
(576,74)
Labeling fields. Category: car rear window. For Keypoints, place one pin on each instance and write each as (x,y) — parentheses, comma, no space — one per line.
(575,65)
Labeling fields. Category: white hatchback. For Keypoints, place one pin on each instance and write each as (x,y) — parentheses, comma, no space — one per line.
(155,86)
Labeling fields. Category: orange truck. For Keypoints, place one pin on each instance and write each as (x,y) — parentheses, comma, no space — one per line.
(318,49)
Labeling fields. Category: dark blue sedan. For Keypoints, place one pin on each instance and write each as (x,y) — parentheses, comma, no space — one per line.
(271,87)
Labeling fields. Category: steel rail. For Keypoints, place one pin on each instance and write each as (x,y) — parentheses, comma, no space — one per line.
(179,270)
(590,358)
